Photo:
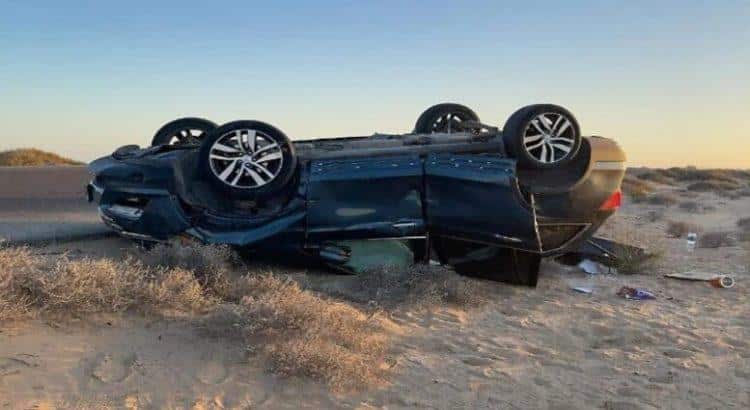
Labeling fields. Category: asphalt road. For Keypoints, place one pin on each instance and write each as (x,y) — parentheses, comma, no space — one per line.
(46,204)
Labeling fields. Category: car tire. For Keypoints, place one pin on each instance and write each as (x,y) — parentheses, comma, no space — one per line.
(445,117)
(183,131)
(248,159)
(542,136)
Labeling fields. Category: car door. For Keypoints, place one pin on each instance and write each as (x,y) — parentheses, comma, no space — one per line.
(476,198)
(365,198)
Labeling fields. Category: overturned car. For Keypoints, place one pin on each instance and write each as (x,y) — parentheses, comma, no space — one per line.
(486,201)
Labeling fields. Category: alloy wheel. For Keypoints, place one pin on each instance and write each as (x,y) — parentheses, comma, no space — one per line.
(246,158)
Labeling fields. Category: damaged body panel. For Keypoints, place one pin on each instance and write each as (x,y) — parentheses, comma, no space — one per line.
(458,199)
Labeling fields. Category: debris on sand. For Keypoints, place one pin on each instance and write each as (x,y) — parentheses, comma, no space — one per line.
(635,293)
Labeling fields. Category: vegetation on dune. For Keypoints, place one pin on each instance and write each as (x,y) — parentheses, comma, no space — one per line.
(713,186)
(717,239)
(301,332)
(25,157)
(679,229)
(636,189)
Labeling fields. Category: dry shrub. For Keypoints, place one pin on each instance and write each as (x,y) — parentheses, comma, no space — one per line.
(744,224)
(715,186)
(31,284)
(637,261)
(33,157)
(418,286)
(743,193)
(678,229)
(694,174)
(717,239)
(212,265)
(656,176)
(691,206)
(662,198)
(303,332)
(655,215)
(313,336)
(636,189)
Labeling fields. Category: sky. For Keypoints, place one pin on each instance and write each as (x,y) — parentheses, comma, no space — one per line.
(669,80)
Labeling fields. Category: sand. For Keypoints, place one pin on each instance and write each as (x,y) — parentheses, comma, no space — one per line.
(547,347)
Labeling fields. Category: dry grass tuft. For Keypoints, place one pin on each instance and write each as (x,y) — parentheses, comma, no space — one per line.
(716,186)
(717,239)
(694,174)
(678,229)
(314,336)
(691,206)
(637,262)
(30,285)
(212,265)
(417,286)
(636,189)
(662,198)
(626,231)
(655,215)
(302,332)
(32,157)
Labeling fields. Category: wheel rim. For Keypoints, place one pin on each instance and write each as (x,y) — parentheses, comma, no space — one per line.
(246,158)
(448,123)
(187,136)
(549,137)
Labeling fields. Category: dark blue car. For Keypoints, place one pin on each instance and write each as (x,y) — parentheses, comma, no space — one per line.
(482,200)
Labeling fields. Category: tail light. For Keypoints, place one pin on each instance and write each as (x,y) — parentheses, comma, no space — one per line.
(613,202)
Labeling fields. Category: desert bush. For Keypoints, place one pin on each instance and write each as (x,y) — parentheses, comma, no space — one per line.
(622,231)
(416,286)
(716,239)
(637,189)
(302,333)
(695,174)
(691,206)
(655,215)
(678,229)
(212,265)
(716,186)
(313,336)
(33,157)
(662,198)
(33,285)
(656,176)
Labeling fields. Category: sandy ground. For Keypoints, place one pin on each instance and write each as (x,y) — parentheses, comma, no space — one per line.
(547,347)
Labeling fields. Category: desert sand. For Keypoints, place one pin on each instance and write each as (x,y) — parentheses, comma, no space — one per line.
(547,347)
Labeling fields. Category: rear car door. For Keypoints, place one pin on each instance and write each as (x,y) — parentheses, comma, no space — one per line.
(476,198)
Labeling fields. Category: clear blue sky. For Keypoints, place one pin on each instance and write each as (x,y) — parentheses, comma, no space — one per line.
(669,80)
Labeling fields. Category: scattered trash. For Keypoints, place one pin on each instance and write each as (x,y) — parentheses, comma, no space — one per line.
(595,268)
(692,239)
(717,280)
(605,252)
(583,289)
(722,281)
(635,293)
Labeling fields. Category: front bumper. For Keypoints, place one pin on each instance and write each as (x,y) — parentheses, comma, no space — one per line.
(146,215)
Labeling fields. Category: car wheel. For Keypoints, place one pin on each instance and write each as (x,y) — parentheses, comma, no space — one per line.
(542,136)
(445,118)
(248,159)
(184,131)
